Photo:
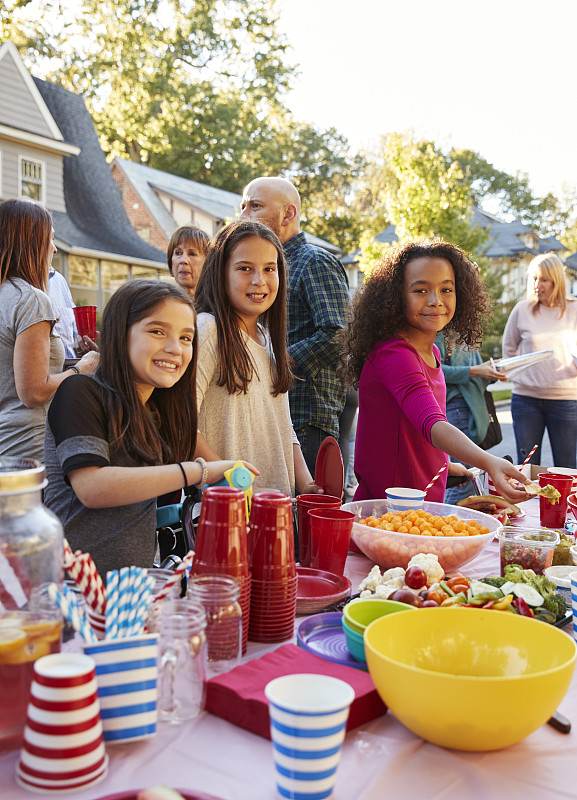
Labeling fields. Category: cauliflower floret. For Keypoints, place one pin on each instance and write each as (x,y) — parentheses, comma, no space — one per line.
(428,562)
(384,590)
(394,572)
(372,579)
(366,593)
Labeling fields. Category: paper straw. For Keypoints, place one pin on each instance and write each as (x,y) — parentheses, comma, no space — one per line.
(68,605)
(439,473)
(529,456)
(111,626)
(185,564)
(123,600)
(68,555)
(96,597)
(137,578)
(143,606)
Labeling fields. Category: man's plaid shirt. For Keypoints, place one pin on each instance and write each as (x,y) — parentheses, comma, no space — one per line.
(317,298)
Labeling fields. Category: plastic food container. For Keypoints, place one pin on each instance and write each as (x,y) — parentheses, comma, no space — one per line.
(560,577)
(531,548)
(392,549)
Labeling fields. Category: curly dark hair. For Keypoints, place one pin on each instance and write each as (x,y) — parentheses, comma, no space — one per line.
(378,308)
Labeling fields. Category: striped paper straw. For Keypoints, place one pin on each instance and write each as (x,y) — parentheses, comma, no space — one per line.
(68,605)
(68,555)
(137,578)
(96,597)
(111,605)
(184,565)
(438,475)
(124,592)
(529,456)
(144,603)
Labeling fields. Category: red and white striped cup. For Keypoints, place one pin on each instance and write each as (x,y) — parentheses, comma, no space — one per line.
(63,746)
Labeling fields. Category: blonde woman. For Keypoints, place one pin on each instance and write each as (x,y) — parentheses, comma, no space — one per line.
(545,395)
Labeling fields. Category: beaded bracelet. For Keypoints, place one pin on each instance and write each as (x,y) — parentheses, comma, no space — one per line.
(202,463)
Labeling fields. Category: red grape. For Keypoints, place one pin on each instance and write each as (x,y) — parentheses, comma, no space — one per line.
(406,596)
(416,577)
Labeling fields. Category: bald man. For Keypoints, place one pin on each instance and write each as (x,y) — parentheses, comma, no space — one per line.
(317,297)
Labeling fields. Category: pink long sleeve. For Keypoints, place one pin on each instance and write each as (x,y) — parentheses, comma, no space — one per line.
(400,399)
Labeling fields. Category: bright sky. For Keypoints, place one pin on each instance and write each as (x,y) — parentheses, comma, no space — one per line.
(497,77)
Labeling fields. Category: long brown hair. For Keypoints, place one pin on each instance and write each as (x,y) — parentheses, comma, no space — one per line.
(25,242)
(164,430)
(379,308)
(236,367)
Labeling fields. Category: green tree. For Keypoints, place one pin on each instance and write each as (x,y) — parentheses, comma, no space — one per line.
(145,65)
(513,193)
(421,191)
(194,88)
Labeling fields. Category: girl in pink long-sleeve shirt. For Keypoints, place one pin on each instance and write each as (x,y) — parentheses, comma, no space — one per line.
(403,436)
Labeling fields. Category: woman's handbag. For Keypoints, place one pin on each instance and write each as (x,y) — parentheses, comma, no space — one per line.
(494,435)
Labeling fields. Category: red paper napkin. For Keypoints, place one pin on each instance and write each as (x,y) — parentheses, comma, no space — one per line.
(238,696)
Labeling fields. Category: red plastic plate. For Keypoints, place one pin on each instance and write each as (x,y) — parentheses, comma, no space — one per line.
(317,589)
(329,470)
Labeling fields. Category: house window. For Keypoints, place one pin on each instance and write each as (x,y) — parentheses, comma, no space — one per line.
(144,232)
(148,273)
(32,176)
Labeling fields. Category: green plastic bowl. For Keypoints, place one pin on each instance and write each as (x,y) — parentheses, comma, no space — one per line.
(361,612)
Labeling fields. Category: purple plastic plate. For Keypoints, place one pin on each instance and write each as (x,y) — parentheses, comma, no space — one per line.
(323,635)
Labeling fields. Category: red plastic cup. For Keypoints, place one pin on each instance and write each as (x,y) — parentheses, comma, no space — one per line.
(270,537)
(221,539)
(305,502)
(85,317)
(553,515)
(330,533)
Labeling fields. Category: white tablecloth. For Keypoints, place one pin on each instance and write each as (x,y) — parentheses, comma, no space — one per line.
(379,760)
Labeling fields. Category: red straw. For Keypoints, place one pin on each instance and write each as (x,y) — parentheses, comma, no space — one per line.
(439,473)
(185,564)
(83,571)
(68,555)
(529,456)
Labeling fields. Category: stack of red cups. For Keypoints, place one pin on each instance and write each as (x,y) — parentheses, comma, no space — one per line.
(274,576)
(221,543)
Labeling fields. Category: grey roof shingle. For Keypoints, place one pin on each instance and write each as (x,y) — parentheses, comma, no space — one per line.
(219,203)
(145,180)
(571,261)
(95,217)
(504,238)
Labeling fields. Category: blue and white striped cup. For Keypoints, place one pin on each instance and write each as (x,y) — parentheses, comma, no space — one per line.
(573,578)
(401,499)
(308,718)
(127,674)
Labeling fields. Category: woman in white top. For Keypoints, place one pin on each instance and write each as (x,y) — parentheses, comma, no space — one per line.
(243,363)
(545,395)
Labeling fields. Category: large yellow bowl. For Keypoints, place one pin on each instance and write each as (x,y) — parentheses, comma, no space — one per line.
(469,679)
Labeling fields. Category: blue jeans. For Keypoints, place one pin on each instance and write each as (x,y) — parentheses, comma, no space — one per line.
(458,415)
(532,415)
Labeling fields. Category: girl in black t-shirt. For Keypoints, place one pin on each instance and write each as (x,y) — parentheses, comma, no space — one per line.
(120,438)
